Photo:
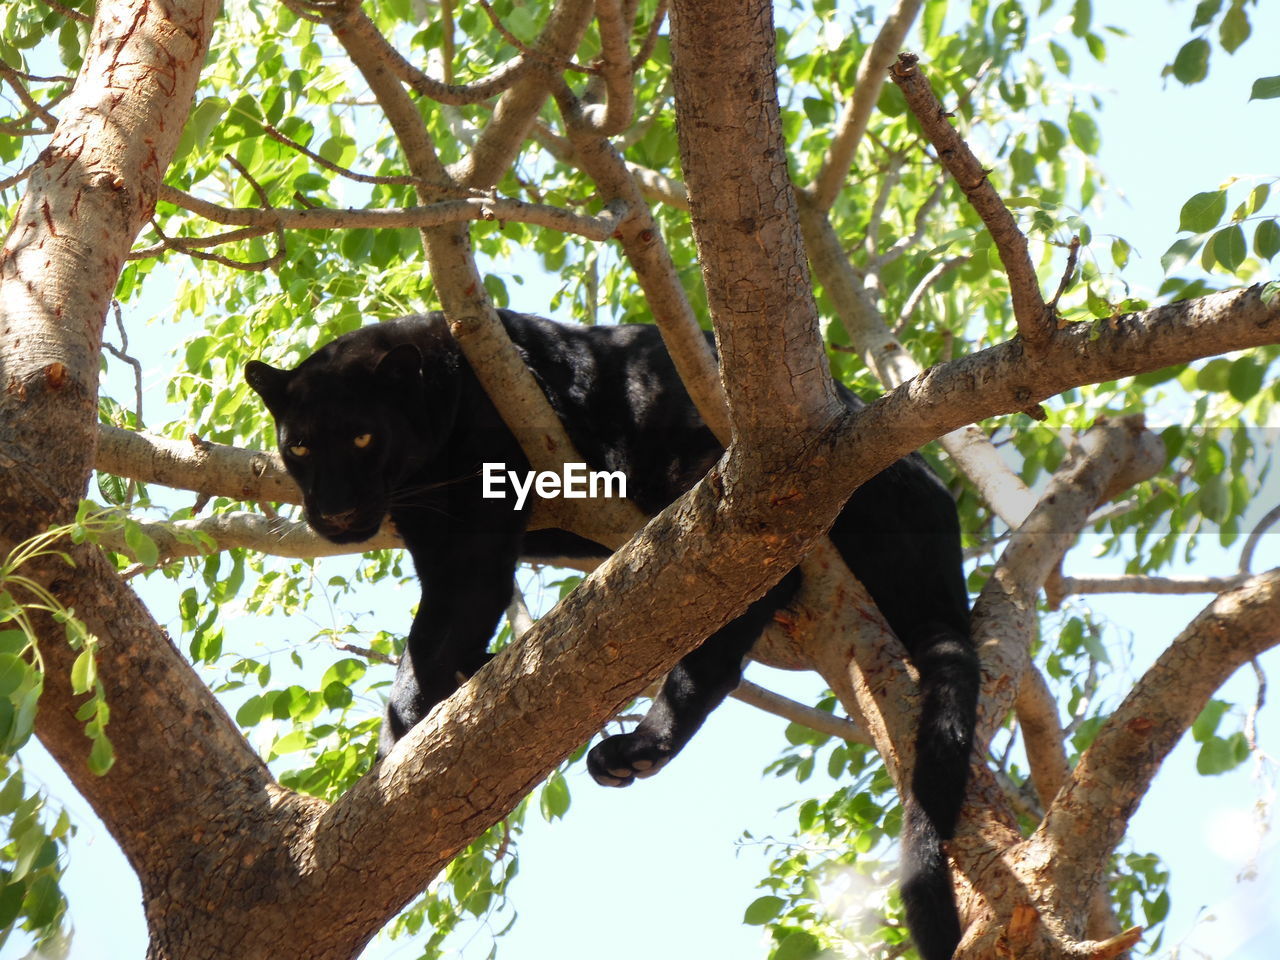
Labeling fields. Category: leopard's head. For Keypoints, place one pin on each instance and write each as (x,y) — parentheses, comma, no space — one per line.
(352,425)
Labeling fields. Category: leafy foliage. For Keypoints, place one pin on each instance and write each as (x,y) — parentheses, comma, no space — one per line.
(31,859)
(311,703)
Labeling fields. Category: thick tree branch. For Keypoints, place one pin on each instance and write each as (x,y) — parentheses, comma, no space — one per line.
(1042,733)
(647,253)
(98,179)
(446,92)
(210,469)
(968,446)
(1050,878)
(734,160)
(1029,307)
(495,149)
(1090,816)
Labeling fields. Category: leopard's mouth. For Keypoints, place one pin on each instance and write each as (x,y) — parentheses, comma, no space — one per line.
(349,526)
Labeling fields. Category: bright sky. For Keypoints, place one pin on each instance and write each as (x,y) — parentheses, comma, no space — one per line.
(659,869)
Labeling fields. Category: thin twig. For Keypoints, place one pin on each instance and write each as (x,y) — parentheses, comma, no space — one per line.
(917,231)
(18,177)
(493,209)
(122,353)
(280,137)
(187,244)
(175,244)
(852,125)
(368,653)
(806,716)
(889,179)
(34,107)
(561,62)
(1251,718)
(1251,544)
(68,12)
(918,294)
(1073,252)
(651,37)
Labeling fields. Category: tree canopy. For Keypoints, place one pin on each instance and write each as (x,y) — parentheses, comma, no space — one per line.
(221,182)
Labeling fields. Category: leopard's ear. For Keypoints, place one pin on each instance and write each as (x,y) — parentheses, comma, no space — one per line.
(269,383)
(401,366)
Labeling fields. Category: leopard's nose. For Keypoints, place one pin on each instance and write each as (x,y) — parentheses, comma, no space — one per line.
(341,520)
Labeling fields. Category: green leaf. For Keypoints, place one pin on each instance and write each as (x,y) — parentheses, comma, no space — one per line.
(1234,29)
(1191,65)
(1082,16)
(1205,13)
(1061,59)
(84,673)
(42,902)
(13,671)
(1266,239)
(11,903)
(1218,755)
(762,910)
(291,742)
(1180,254)
(1215,498)
(1120,252)
(1202,212)
(819,111)
(935,12)
(142,547)
(1258,197)
(346,672)
(798,945)
(102,755)
(1246,379)
(1157,909)
(1084,131)
(1229,247)
(1207,722)
(1206,10)
(554,801)
(250,712)
(205,117)
(11,794)
(1265,88)
(13,641)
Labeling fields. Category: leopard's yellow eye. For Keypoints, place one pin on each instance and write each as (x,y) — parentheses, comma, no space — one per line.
(363,440)
(299,451)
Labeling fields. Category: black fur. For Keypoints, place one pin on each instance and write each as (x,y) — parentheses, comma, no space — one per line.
(390,420)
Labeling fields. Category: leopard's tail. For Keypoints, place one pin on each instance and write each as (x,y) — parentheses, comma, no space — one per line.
(950,681)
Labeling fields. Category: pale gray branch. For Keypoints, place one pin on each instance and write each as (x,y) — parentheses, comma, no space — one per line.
(1113,454)
(866,90)
(1138,583)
